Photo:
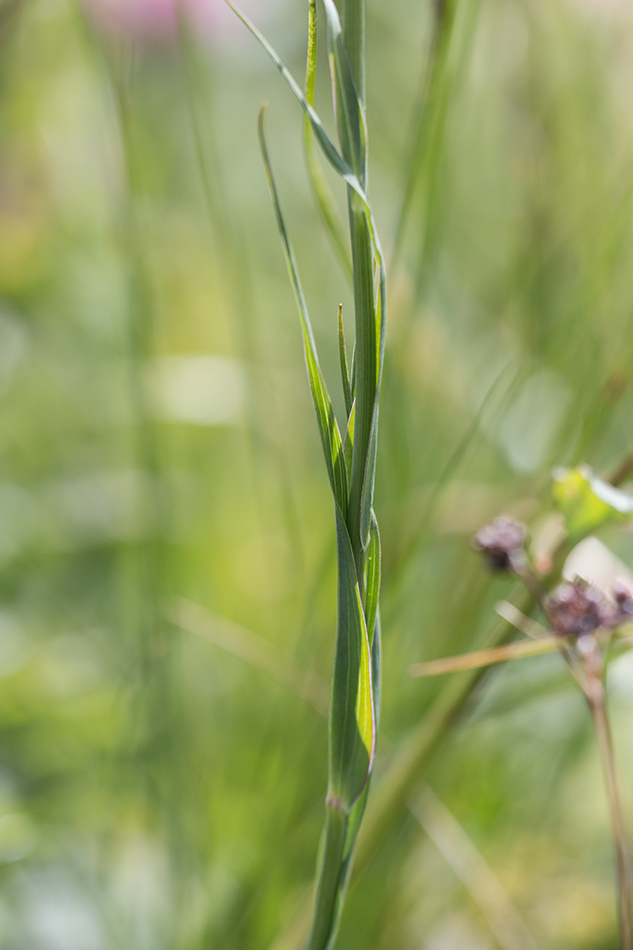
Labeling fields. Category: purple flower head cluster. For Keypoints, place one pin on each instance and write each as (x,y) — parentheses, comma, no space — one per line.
(502,543)
(578,608)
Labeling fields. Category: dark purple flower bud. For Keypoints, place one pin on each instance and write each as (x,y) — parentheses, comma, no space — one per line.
(574,610)
(502,543)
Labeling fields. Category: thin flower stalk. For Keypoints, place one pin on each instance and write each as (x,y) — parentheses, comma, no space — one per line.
(582,622)
(621,839)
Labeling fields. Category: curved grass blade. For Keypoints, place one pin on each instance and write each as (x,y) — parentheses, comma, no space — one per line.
(328,148)
(330,435)
(337,162)
(369,306)
(363,493)
(317,179)
(354,701)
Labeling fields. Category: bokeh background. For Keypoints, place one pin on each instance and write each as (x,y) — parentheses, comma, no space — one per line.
(167,560)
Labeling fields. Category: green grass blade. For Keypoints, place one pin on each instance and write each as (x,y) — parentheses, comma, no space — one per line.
(376,658)
(361,489)
(350,116)
(327,146)
(353,21)
(366,366)
(330,435)
(372,583)
(354,701)
(353,373)
(430,116)
(352,721)
(369,311)
(336,872)
(348,441)
(367,495)
(352,745)
(342,352)
(319,185)
(332,877)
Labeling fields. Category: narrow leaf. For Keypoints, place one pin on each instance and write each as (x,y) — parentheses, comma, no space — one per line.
(330,435)
(353,373)
(352,721)
(342,352)
(372,583)
(331,883)
(349,112)
(328,148)
(319,185)
(367,498)
(376,667)
(348,441)
(338,163)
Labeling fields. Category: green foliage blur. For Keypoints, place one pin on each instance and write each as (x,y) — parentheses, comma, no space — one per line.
(167,557)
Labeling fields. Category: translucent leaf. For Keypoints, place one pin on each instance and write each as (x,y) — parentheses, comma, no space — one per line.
(586,501)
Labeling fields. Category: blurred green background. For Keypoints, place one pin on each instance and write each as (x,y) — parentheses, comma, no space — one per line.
(163,502)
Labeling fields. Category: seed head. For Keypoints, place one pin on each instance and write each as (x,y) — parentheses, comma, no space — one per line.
(502,543)
(575,610)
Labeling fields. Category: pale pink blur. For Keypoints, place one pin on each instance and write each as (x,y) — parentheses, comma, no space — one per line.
(157,19)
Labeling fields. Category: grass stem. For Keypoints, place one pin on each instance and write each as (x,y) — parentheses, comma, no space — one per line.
(328,896)
(595,694)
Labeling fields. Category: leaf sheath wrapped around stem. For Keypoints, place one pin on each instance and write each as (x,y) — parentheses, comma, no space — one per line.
(356,669)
